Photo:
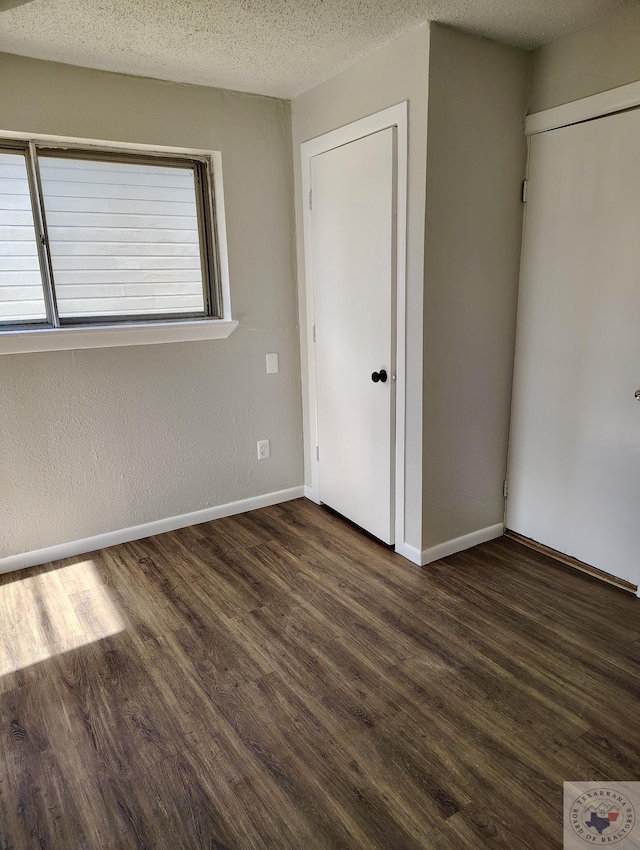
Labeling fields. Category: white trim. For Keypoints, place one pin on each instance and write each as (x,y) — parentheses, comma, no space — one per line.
(594,106)
(309,494)
(22,340)
(221,233)
(459,544)
(147,529)
(394,116)
(410,553)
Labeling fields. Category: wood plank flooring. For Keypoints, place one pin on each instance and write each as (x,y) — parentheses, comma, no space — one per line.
(279,680)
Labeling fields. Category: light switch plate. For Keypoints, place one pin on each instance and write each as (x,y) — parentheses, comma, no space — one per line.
(272,363)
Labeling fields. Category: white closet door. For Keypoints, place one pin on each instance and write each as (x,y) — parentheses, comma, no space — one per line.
(574,476)
(353,260)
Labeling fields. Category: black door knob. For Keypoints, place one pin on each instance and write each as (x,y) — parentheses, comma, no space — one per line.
(379,376)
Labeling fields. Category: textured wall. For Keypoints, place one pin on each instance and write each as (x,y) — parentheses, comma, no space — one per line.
(92,441)
(394,73)
(475,164)
(588,62)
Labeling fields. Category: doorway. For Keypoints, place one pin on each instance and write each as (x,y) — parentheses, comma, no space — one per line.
(574,470)
(354,188)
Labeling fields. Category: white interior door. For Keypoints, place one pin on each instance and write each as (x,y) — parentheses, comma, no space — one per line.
(353,261)
(574,472)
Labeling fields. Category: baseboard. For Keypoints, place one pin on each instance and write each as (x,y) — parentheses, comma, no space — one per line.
(309,494)
(409,552)
(147,529)
(459,544)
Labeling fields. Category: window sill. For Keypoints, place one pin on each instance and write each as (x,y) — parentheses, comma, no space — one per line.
(23,341)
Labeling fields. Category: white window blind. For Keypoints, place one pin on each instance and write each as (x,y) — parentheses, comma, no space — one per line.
(21,293)
(98,236)
(124,238)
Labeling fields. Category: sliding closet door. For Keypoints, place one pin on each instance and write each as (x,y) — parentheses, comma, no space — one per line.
(574,472)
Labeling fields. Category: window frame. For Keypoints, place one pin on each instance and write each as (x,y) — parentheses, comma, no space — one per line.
(70,332)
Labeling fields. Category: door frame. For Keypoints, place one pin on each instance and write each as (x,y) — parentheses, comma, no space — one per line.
(395,116)
(601,105)
(594,106)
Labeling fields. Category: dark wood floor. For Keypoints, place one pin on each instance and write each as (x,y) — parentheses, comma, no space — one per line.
(279,680)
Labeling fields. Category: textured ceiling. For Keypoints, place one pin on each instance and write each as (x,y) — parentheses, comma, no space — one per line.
(274,47)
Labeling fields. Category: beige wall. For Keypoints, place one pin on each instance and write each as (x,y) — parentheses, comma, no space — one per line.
(475,164)
(598,58)
(394,73)
(93,441)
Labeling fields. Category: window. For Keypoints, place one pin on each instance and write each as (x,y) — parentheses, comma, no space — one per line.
(21,290)
(97,237)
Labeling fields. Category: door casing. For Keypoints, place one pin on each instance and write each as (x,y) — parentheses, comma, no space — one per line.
(395,116)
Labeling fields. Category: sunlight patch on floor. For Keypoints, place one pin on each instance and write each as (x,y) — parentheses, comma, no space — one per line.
(56,611)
